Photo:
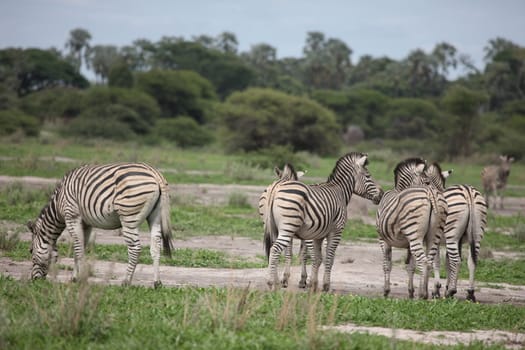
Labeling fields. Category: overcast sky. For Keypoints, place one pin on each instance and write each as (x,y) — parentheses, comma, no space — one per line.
(376,27)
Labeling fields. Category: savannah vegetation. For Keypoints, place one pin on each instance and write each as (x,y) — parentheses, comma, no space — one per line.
(203,112)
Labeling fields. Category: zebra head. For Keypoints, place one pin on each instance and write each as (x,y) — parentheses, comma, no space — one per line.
(41,251)
(437,177)
(356,164)
(410,172)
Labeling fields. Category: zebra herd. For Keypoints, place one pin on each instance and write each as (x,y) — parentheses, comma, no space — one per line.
(418,214)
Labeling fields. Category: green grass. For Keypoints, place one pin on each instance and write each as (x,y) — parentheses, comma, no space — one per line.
(215,167)
(184,257)
(53,316)
(511,271)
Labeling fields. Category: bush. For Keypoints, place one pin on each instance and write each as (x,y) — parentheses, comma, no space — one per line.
(185,131)
(120,75)
(13,120)
(54,103)
(91,124)
(256,119)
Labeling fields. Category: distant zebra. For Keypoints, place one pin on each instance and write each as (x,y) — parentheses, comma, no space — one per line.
(316,212)
(411,216)
(108,197)
(466,222)
(287,174)
(494,179)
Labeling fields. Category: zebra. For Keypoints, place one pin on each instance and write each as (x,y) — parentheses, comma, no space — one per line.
(316,212)
(466,222)
(494,179)
(287,174)
(411,216)
(110,196)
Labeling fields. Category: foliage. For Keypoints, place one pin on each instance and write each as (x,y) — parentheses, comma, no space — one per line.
(184,131)
(178,92)
(259,118)
(120,75)
(410,118)
(13,120)
(54,103)
(29,70)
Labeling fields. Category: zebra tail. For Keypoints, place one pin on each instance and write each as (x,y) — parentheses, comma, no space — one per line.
(470,228)
(270,228)
(434,201)
(165,222)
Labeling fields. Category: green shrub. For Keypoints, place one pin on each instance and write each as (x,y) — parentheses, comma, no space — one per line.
(13,120)
(100,127)
(185,131)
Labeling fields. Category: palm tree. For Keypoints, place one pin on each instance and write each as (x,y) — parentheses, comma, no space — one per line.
(78,45)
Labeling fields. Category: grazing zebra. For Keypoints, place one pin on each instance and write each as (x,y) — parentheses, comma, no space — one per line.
(316,212)
(411,216)
(494,179)
(108,197)
(287,174)
(466,222)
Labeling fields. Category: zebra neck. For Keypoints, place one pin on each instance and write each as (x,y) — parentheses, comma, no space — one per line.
(345,183)
(50,223)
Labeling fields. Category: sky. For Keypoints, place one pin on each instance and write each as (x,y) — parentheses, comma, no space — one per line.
(390,28)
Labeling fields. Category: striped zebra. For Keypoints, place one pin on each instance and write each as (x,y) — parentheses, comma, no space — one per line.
(108,197)
(287,174)
(411,216)
(494,179)
(316,212)
(466,223)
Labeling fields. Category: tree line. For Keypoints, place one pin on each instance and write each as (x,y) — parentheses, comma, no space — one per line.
(202,90)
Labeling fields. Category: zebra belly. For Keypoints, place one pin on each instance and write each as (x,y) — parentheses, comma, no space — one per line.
(106,221)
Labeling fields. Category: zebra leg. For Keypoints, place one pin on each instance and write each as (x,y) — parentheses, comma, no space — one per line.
(304,257)
(280,244)
(75,229)
(287,263)
(317,259)
(471,271)
(155,248)
(422,264)
(387,265)
(131,237)
(332,241)
(434,259)
(453,263)
(411,268)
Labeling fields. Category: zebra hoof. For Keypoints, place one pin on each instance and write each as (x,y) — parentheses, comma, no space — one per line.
(302,284)
(470,295)
(284,283)
(451,293)
(386,292)
(126,283)
(157,284)
(326,287)
(411,294)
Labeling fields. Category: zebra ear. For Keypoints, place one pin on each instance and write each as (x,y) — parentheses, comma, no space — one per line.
(510,159)
(277,172)
(30,226)
(362,161)
(420,168)
(446,173)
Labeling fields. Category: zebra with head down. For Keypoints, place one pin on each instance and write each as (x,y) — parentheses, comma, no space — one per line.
(110,196)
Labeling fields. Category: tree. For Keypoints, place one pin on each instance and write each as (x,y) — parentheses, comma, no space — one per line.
(263,57)
(178,92)
(78,45)
(31,70)
(327,62)
(257,119)
(120,75)
(227,42)
(411,118)
(464,108)
(100,58)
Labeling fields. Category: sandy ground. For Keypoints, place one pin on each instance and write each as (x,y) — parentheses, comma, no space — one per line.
(357,269)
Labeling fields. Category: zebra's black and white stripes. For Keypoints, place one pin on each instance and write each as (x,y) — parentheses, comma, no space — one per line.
(316,212)
(411,216)
(111,196)
(466,223)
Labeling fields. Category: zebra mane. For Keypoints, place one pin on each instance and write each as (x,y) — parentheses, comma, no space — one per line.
(439,171)
(344,161)
(407,163)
